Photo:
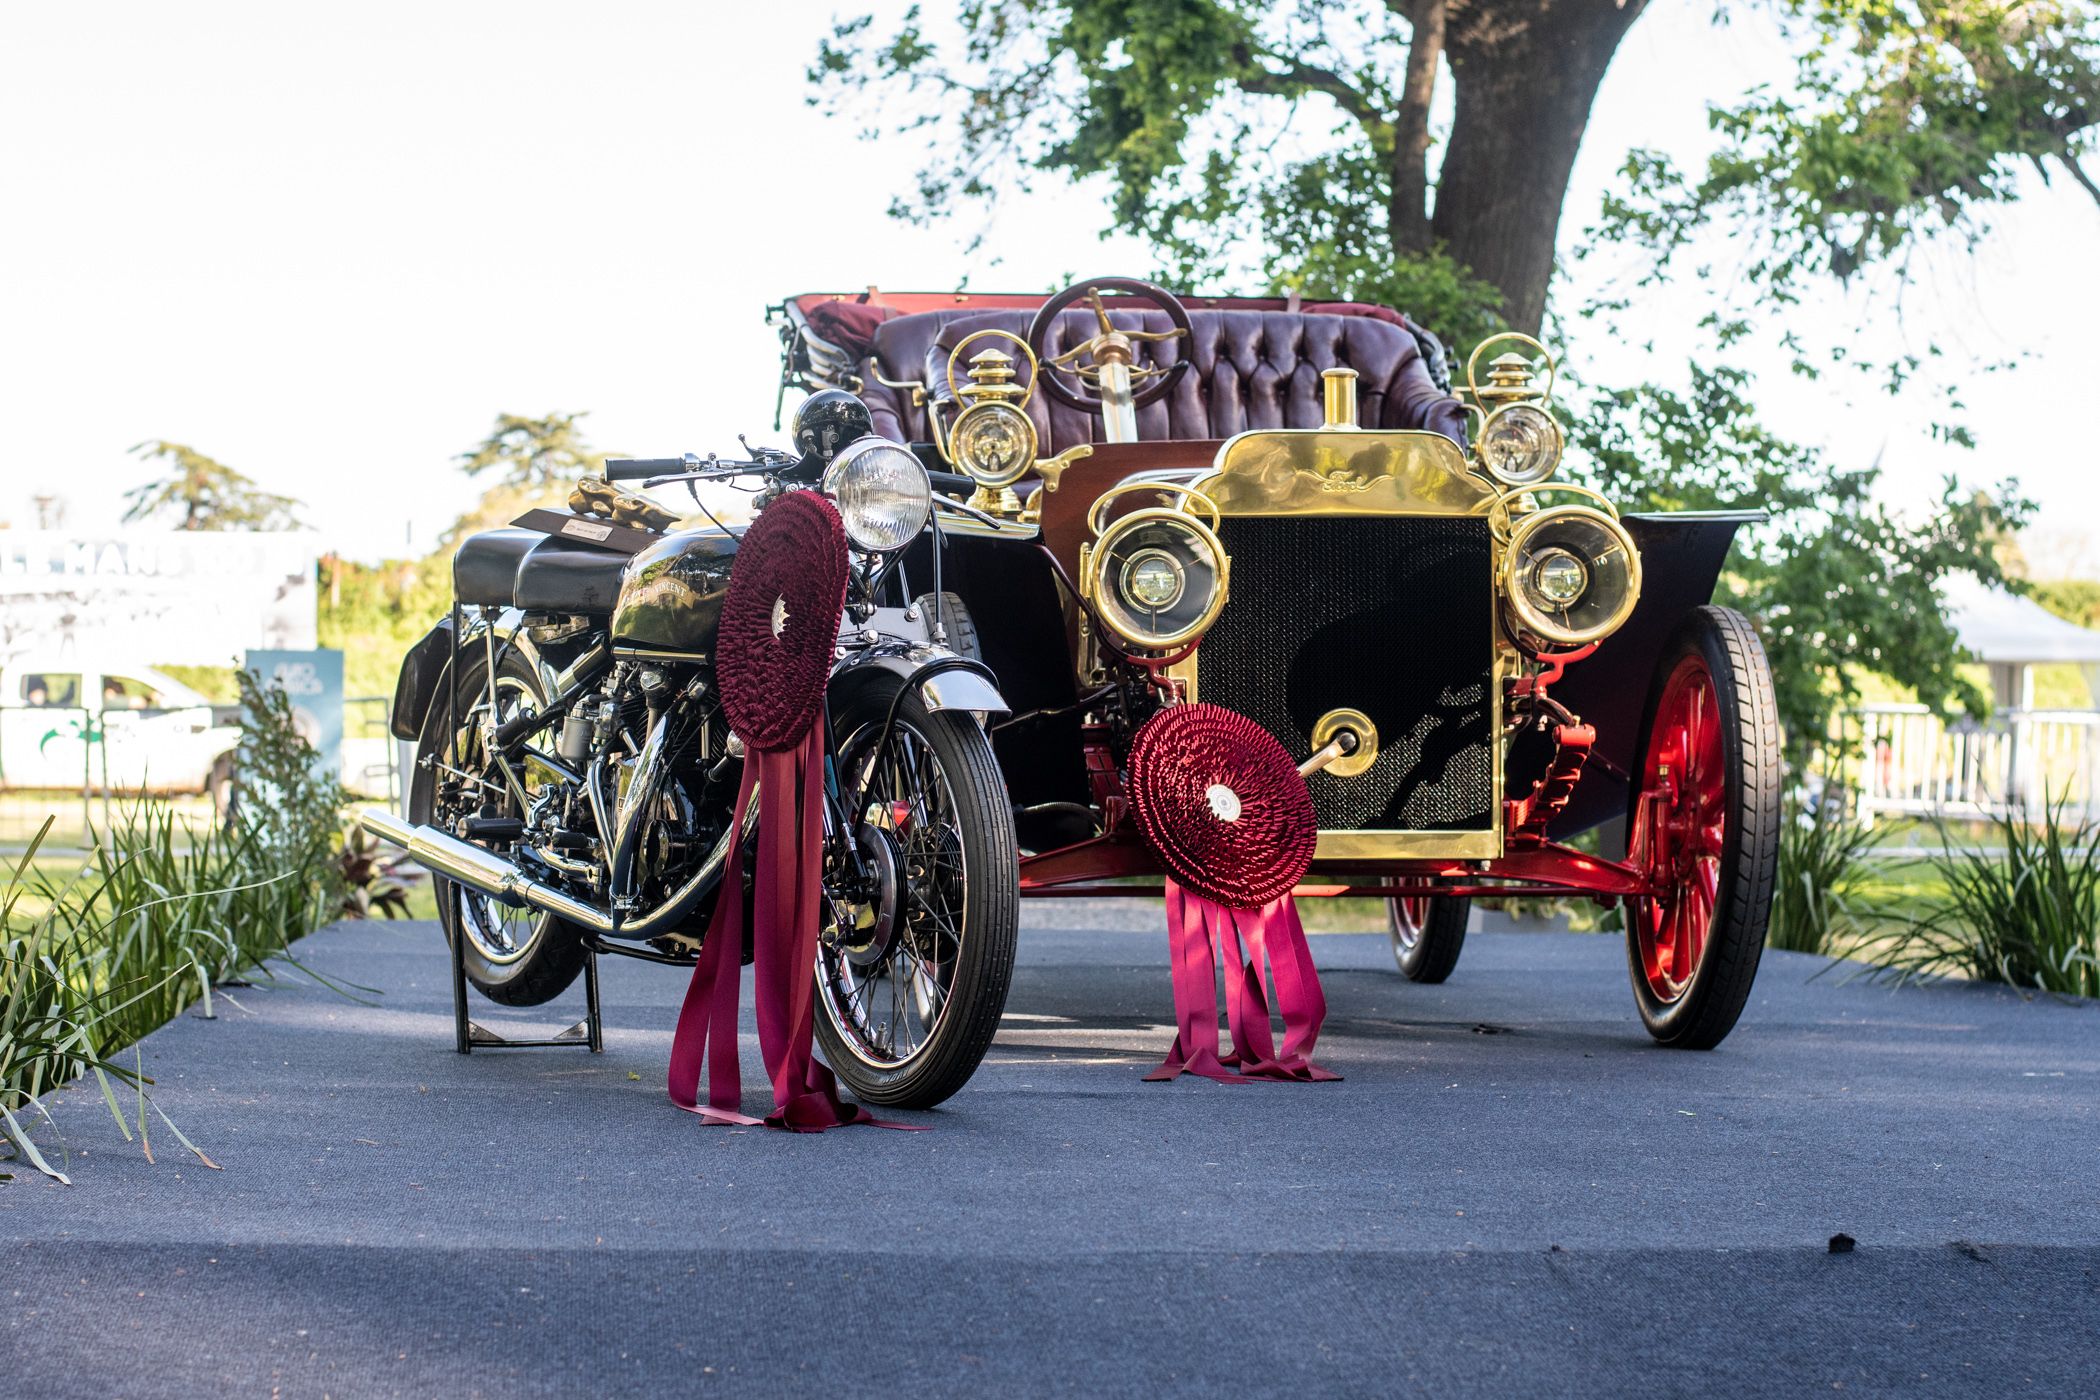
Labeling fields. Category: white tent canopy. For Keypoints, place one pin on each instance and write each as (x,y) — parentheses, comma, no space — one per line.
(2012,634)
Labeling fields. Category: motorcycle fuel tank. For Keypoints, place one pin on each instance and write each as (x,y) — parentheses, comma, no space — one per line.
(671,596)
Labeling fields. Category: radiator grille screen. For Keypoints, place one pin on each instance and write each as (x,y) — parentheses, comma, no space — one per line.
(1388,615)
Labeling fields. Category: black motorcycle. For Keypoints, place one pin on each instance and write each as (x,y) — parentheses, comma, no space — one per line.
(575,774)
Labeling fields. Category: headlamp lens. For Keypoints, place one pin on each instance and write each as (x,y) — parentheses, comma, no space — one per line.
(1559,577)
(882,492)
(1152,580)
(1158,579)
(994,442)
(1520,445)
(1573,576)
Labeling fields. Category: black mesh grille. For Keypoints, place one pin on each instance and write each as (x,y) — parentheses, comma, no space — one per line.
(1387,615)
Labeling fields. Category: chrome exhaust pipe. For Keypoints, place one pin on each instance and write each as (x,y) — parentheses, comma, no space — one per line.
(447,855)
(483,870)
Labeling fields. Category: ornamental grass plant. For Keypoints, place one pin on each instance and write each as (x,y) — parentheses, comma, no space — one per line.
(2027,915)
(1821,847)
(161,916)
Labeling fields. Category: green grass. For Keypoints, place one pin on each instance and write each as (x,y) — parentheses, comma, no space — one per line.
(1820,851)
(74,821)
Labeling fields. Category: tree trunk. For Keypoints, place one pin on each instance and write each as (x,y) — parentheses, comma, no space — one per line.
(1527,72)
(1409,216)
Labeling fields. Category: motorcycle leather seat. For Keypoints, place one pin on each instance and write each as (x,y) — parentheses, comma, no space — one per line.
(559,576)
(486,565)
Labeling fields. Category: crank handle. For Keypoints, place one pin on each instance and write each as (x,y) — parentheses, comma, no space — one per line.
(1341,746)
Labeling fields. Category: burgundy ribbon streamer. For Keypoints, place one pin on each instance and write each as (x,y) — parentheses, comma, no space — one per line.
(1228,814)
(786,904)
(1206,934)
(773,656)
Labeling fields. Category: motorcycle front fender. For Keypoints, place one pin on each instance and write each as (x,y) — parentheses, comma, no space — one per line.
(945,680)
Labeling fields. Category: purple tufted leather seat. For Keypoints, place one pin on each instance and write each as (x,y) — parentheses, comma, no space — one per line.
(1248,369)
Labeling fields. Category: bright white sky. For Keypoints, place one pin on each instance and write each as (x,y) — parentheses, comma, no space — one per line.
(328,244)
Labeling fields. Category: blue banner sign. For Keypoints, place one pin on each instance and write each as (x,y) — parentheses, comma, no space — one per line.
(314,681)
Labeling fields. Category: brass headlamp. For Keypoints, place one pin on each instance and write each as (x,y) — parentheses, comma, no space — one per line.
(1156,577)
(1519,442)
(993,440)
(1570,573)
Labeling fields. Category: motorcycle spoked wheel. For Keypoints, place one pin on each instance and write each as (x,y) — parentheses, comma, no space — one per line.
(518,957)
(911,985)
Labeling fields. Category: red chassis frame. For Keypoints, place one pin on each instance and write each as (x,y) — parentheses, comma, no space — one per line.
(1098,867)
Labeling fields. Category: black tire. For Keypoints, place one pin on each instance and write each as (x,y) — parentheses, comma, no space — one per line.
(1732,847)
(552,949)
(1428,935)
(980,829)
(955,618)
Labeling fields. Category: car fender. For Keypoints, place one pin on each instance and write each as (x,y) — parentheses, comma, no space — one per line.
(1682,554)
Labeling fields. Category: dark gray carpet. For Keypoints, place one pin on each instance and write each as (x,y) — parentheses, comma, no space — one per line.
(1513,1191)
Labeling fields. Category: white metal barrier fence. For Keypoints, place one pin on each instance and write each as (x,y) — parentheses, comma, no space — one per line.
(1912,764)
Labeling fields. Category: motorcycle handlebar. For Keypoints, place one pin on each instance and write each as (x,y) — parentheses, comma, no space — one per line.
(641,468)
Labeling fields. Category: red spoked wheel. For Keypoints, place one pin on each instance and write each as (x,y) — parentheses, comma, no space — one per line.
(1428,933)
(1704,829)
(1683,827)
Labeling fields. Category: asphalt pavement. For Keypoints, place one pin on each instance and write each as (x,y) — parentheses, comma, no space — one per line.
(1512,1191)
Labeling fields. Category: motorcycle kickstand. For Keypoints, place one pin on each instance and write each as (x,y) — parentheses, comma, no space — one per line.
(588,1033)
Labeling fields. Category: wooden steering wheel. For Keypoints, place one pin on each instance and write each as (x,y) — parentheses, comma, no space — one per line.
(1083,362)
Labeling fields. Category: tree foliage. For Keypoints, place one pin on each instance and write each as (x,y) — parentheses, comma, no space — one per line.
(537,459)
(1837,581)
(198,493)
(535,453)
(1293,141)
(1290,142)
(2075,600)
(1905,118)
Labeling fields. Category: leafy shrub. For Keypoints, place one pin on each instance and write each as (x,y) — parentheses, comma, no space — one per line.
(160,917)
(2029,917)
(1820,846)
(368,876)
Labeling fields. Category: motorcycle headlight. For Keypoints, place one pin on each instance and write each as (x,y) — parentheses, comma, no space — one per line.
(882,493)
(1157,578)
(994,441)
(1520,444)
(1571,575)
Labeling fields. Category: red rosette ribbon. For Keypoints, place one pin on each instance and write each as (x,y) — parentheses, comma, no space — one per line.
(780,623)
(1227,813)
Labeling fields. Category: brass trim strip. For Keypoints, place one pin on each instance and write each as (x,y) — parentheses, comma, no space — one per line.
(1395,845)
(1350,471)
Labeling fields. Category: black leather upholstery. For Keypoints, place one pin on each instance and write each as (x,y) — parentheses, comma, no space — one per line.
(1249,369)
(561,577)
(486,565)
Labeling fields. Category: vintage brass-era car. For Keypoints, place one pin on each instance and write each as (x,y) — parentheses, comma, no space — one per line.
(1281,507)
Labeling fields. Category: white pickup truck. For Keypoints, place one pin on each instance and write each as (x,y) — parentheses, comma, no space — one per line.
(77,722)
